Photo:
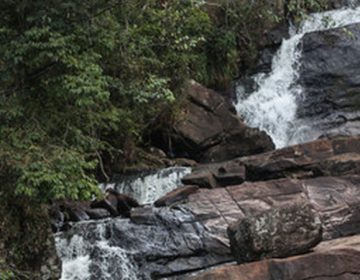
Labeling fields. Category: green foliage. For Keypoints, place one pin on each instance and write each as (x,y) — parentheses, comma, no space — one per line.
(55,97)
(80,78)
(7,275)
(298,9)
(84,79)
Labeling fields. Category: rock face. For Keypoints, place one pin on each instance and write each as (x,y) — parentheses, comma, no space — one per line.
(324,157)
(281,232)
(337,259)
(330,75)
(192,234)
(166,241)
(209,129)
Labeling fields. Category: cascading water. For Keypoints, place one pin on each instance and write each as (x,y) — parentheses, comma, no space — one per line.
(90,255)
(273,106)
(150,186)
(78,256)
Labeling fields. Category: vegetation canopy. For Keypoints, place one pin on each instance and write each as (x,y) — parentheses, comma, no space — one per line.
(83,78)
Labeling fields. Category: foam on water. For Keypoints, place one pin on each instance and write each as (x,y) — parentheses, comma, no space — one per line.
(77,264)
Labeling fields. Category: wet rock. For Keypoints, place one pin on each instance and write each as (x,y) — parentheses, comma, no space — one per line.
(217,175)
(176,195)
(143,215)
(98,213)
(75,211)
(57,217)
(272,42)
(281,232)
(124,203)
(107,205)
(330,75)
(202,178)
(325,157)
(337,259)
(210,131)
(116,203)
(175,242)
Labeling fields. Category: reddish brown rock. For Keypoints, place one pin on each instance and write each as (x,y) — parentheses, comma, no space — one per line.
(176,195)
(337,259)
(324,157)
(335,199)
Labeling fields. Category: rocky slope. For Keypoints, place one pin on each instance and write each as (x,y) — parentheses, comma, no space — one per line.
(191,233)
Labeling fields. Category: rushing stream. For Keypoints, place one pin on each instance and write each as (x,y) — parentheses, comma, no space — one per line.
(273,106)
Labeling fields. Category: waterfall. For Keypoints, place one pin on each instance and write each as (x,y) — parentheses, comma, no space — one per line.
(273,106)
(148,187)
(89,255)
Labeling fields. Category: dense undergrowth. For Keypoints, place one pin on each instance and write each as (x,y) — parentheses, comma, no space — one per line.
(84,82)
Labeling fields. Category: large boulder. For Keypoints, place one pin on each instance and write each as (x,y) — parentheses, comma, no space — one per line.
(209,130)
(281,232)
(330,77)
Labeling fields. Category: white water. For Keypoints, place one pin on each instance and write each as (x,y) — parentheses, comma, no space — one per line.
(76,252)
(148,188)
(273,106)
(76,257)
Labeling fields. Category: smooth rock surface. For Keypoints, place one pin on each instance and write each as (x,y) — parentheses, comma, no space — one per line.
(330,75)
